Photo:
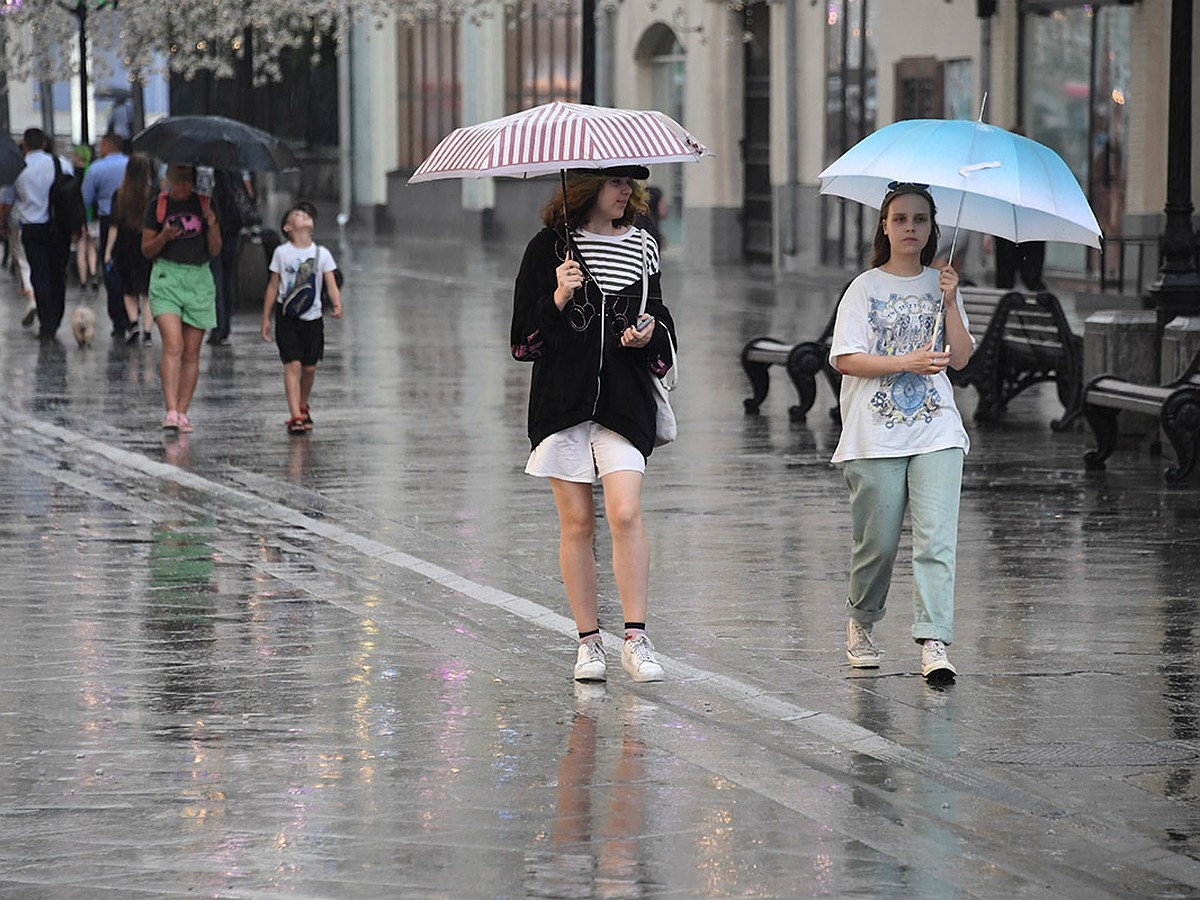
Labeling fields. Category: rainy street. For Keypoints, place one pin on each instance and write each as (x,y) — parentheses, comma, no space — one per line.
(239,663)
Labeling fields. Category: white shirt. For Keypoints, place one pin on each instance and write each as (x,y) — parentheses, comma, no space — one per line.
(32,189)
(901,414)
(290,261)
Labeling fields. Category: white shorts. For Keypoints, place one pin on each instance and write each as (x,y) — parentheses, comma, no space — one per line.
(584,453)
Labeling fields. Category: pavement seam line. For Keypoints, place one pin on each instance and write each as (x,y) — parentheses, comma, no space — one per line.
(837,730)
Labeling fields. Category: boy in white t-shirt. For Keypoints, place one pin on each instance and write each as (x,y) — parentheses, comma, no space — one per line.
(301,276)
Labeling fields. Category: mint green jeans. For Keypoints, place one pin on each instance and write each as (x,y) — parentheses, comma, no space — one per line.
(928,485)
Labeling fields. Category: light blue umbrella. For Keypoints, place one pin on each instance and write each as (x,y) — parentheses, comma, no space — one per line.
(982,178)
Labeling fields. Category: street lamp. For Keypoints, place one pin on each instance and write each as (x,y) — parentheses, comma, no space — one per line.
(80,9)
(1177,289)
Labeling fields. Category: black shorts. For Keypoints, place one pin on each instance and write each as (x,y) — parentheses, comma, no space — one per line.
(298,340)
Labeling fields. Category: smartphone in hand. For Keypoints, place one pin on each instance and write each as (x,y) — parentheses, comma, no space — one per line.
(643,322)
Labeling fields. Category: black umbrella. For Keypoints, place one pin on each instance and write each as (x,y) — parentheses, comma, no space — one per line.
(214,141)
(12,160)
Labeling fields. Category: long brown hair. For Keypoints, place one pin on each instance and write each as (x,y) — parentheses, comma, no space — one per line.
(881,247)
(582,191)
(133,196)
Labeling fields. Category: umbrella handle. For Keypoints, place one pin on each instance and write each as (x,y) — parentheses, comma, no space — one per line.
(562,174)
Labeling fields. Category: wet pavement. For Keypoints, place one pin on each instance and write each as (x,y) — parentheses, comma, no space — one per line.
(242,664)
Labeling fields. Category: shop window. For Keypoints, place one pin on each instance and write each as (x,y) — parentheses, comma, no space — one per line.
(429,94)
(919,88)
(541,56)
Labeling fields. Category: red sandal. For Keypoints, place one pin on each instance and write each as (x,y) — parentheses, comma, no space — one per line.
(296,426)
(306,418)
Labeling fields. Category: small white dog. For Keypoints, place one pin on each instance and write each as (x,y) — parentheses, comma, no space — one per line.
(83,326)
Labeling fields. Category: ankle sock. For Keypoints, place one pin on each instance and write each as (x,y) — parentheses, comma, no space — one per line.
(593,635)
(633,629)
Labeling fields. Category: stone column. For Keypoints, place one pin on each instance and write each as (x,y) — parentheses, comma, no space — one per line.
(1180,345)
(1123,343)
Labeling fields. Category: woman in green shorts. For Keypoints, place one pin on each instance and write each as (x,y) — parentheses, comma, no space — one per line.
(180,234)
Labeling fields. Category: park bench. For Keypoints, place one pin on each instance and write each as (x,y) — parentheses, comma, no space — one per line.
(801,361)
(804,360)
(1175,405)
(1036,345)
(1020,340)
(981,304)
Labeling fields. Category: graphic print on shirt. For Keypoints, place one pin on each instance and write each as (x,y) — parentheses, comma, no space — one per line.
(189,223)
(901,324)
(620,313)
(302,289)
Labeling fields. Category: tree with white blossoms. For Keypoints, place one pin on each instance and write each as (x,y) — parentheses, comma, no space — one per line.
(217,36)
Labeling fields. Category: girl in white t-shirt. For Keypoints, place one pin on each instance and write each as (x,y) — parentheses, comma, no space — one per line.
(902,442)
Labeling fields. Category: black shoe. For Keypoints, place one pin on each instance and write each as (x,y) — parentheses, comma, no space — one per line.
(131,333)
(217,338)
(146,339)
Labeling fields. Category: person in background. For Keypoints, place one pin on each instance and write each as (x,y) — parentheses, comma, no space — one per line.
(1027,258)
(85,241)
(233,197)
(123,246)
(592,413)
(299,266)
(120,120)
(651,219)
(10,233)
(100,182)
(902,441)
(181,234)
(47,247)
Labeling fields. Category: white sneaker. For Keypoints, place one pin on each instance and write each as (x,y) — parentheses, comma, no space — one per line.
(590,664)
(637,658)
(934,662)
(860,649)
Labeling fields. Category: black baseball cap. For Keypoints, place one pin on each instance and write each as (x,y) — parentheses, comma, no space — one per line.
(641,173)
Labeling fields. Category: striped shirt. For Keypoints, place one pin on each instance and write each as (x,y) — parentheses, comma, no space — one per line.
(615,261)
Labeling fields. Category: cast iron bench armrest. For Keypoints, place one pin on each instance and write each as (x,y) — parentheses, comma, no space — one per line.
(1037,345)
(1176,405)
(802,361)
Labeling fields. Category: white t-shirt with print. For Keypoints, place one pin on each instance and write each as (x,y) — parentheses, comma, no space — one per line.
(901,414)
(288,260)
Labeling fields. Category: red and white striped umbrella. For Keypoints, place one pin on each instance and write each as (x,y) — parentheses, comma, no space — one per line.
(558,136)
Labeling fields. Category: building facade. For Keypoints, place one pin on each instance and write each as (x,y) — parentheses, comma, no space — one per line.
(777,90)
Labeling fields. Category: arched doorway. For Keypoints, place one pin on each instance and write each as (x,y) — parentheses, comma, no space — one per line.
(660,56)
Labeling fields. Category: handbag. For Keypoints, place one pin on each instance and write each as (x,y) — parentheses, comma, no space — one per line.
(666,428)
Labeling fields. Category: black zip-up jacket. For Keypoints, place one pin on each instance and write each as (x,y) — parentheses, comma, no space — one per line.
(580,370)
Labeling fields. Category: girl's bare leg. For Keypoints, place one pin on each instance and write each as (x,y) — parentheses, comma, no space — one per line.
(576,557)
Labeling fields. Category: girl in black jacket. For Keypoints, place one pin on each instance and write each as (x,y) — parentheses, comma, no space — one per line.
(591,404)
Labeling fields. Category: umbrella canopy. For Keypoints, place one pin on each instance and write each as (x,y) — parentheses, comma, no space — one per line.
(982,178)
(12,160)
(214,141)
(558,136)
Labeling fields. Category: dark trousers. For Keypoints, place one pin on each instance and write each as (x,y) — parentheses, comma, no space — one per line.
(48,251)
(1028,258)
(112,284)
(224,267)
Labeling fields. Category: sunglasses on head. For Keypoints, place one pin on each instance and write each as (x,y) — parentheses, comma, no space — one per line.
(906,186)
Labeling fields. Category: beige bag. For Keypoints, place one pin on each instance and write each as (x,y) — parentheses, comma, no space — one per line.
(666,429)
